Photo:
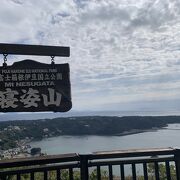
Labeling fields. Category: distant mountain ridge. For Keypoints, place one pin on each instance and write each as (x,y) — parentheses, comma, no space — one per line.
(51,115)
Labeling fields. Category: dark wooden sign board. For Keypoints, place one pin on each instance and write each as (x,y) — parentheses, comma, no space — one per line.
(30,86)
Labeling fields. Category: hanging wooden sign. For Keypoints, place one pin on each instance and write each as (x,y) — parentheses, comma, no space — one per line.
(30,86)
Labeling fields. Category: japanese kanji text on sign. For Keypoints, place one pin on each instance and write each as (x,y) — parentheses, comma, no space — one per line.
(32,86)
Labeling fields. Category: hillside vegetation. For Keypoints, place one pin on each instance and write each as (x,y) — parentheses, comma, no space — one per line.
(11,132)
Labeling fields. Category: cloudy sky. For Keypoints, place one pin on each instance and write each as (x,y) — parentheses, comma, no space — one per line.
(125,54)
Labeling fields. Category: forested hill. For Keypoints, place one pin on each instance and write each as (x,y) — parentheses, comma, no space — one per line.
(11,132)
(89,125)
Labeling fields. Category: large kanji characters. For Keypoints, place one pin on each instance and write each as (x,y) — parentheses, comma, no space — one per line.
(29,98)
(52,100)
(8,99)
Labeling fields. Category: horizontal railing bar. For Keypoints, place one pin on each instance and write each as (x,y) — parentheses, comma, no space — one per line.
(132,153)
(39,169)
(137,161)
(74,161)
(38,160)
(65,158)
(70,158)
(39,50)
(104,163)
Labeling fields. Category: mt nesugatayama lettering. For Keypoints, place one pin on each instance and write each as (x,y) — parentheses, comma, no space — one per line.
(27,84)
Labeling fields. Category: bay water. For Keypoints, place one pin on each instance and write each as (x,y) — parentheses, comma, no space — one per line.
(167,137)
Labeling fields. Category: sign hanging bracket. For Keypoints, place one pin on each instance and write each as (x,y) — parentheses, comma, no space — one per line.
(52,60)
(5,60)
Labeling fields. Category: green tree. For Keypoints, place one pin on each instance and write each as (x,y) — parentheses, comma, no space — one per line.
(162,171)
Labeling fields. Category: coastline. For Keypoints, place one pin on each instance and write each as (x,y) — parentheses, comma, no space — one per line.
(137,131)
(25,143)
(125,133)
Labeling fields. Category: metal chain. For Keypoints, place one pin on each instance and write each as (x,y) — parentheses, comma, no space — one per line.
(52,59)
(5,59)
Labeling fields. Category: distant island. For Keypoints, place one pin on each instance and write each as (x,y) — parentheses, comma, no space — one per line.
(17,133)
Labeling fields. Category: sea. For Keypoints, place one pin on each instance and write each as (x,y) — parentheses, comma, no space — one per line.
(161,138)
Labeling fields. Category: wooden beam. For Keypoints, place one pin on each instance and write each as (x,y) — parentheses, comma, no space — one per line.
(39,50)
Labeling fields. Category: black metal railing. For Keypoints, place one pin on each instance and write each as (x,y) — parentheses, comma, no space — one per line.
(147,164)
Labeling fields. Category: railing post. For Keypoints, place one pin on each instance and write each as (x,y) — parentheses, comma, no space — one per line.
(84,167)
(177,162)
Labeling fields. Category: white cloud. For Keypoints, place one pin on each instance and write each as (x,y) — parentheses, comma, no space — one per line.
(119,48)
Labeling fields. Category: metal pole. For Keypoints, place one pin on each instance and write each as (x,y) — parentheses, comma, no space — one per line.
(177,162)
(84,167)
